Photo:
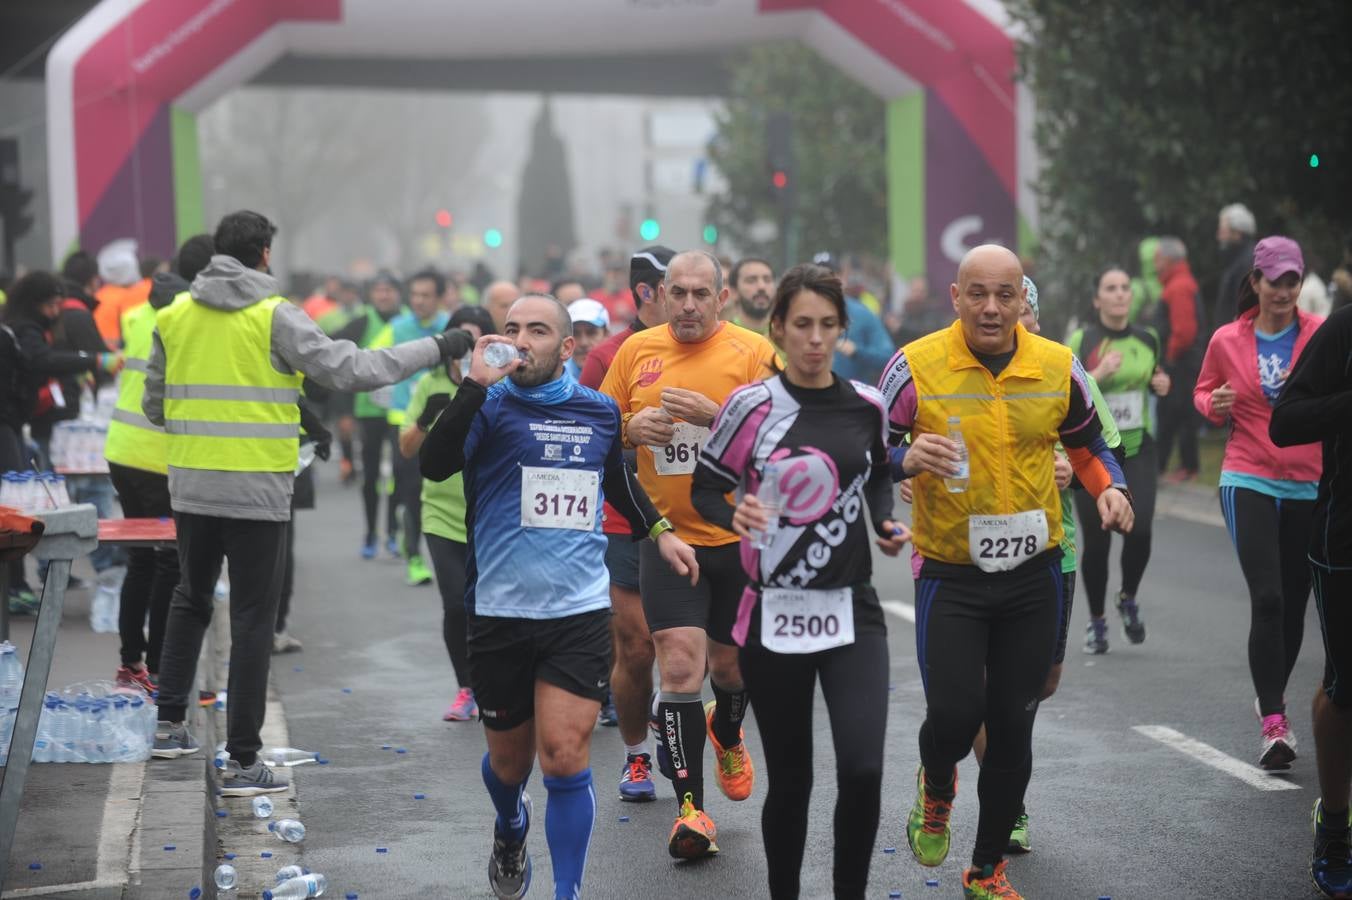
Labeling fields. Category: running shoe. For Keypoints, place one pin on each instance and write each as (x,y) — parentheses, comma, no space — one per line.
(173,741)
(418,573)
(1278,744)
(927,828)
(368,548)
(463,707)
(1132,626)
(607,716)
(1180,476)
(636,779)
(1331,864)
(138,678)
(283,642)
(1096,637)
(693,835)
(509,864)
(989,883)
(23,602)
(392,546)
(736,773)
(1019,841)
(259,778)
(206,698)
(663,756)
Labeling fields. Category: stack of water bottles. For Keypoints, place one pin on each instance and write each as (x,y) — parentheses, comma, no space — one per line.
(11,686)
(95,722)
(33,491)
(77,446)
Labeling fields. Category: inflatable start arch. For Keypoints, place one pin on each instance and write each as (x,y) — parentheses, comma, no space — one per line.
(126,82)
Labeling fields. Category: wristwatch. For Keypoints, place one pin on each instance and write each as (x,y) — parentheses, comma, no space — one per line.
(1126,492)
(662,526)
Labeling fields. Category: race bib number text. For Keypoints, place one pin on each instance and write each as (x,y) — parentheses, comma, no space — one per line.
(1127,408)
(558,498)
(1000,543)
(803,621)
(679,456)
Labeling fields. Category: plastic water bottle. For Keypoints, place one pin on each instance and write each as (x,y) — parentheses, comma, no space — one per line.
(221,758)
(306,457)
(286,873)
(500,355)
(289,830)
(226,877)
(312,885)
(768,495)
(11,675)
(958,483)
(262,808)
(288,756)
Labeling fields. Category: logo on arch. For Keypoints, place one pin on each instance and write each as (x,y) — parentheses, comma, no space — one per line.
(808,484)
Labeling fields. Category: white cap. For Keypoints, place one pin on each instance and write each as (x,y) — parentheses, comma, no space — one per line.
(589,312)
(118,263)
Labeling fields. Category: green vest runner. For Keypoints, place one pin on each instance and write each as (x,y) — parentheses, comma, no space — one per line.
(225,407)
(132,440)
(376,336)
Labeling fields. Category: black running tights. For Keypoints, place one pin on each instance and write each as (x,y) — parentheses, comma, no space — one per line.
(1271,537)
(1095,542)
(782,689)
(448,563)
(375,433)
(985,643)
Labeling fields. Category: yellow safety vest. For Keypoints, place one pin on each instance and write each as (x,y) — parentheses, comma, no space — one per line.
(133,441)
(1010,425)
(225,407)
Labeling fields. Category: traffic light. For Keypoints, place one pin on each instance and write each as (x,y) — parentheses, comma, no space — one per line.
(492,238)
(444,218)
(1314,160)
(649,230)
(779,155)
(711,234)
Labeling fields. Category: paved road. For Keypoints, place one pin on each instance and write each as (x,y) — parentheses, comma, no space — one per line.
(1115,812)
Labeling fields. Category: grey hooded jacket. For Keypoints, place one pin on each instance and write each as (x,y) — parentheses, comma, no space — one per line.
(297,346)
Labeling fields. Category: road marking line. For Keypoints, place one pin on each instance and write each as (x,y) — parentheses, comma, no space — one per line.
(1205,753)
(120,812)
(65,888)
(900,609)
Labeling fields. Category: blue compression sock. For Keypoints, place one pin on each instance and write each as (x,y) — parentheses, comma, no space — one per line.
(507,801)
(568,827)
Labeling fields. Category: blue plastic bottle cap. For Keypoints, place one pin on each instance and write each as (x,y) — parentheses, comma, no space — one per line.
(266,854)
(1105,897)
(401,750)
(894,893)
(889,849)
(931,882)
(419,796)
(169,847)
(194,893)
(382,849)
(348,691)
(624,818)
(34,866)
(221,814)
(321,761)
(384,746)
(352,895)
(229,856)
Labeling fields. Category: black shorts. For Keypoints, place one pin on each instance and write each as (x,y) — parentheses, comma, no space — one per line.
(670,602)
(1333,599)
(508,656)
(622,560)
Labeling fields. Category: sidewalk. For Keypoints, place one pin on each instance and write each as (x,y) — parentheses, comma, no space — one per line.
(98,832)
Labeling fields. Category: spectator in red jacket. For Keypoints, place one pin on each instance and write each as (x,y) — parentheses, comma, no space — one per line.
(1179,326)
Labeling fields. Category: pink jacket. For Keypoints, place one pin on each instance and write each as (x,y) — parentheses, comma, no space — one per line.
(1232,356)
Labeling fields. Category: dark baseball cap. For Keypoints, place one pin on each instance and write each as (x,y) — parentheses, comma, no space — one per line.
(649,265)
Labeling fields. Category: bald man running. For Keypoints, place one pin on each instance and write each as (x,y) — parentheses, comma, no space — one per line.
(987,531)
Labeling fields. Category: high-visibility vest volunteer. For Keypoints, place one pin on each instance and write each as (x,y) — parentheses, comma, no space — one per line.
(133,441)
(224,376)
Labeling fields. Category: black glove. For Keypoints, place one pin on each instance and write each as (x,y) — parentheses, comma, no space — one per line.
(435,404)
(454,343)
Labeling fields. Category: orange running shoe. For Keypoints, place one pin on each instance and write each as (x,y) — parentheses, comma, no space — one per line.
(694,833)
(736,774)
(988,883)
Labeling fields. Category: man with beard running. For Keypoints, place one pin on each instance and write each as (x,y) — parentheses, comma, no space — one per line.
(539,451)
(753,282)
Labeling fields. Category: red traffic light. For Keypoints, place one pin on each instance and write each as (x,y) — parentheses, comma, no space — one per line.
(780,179)
(444,218)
